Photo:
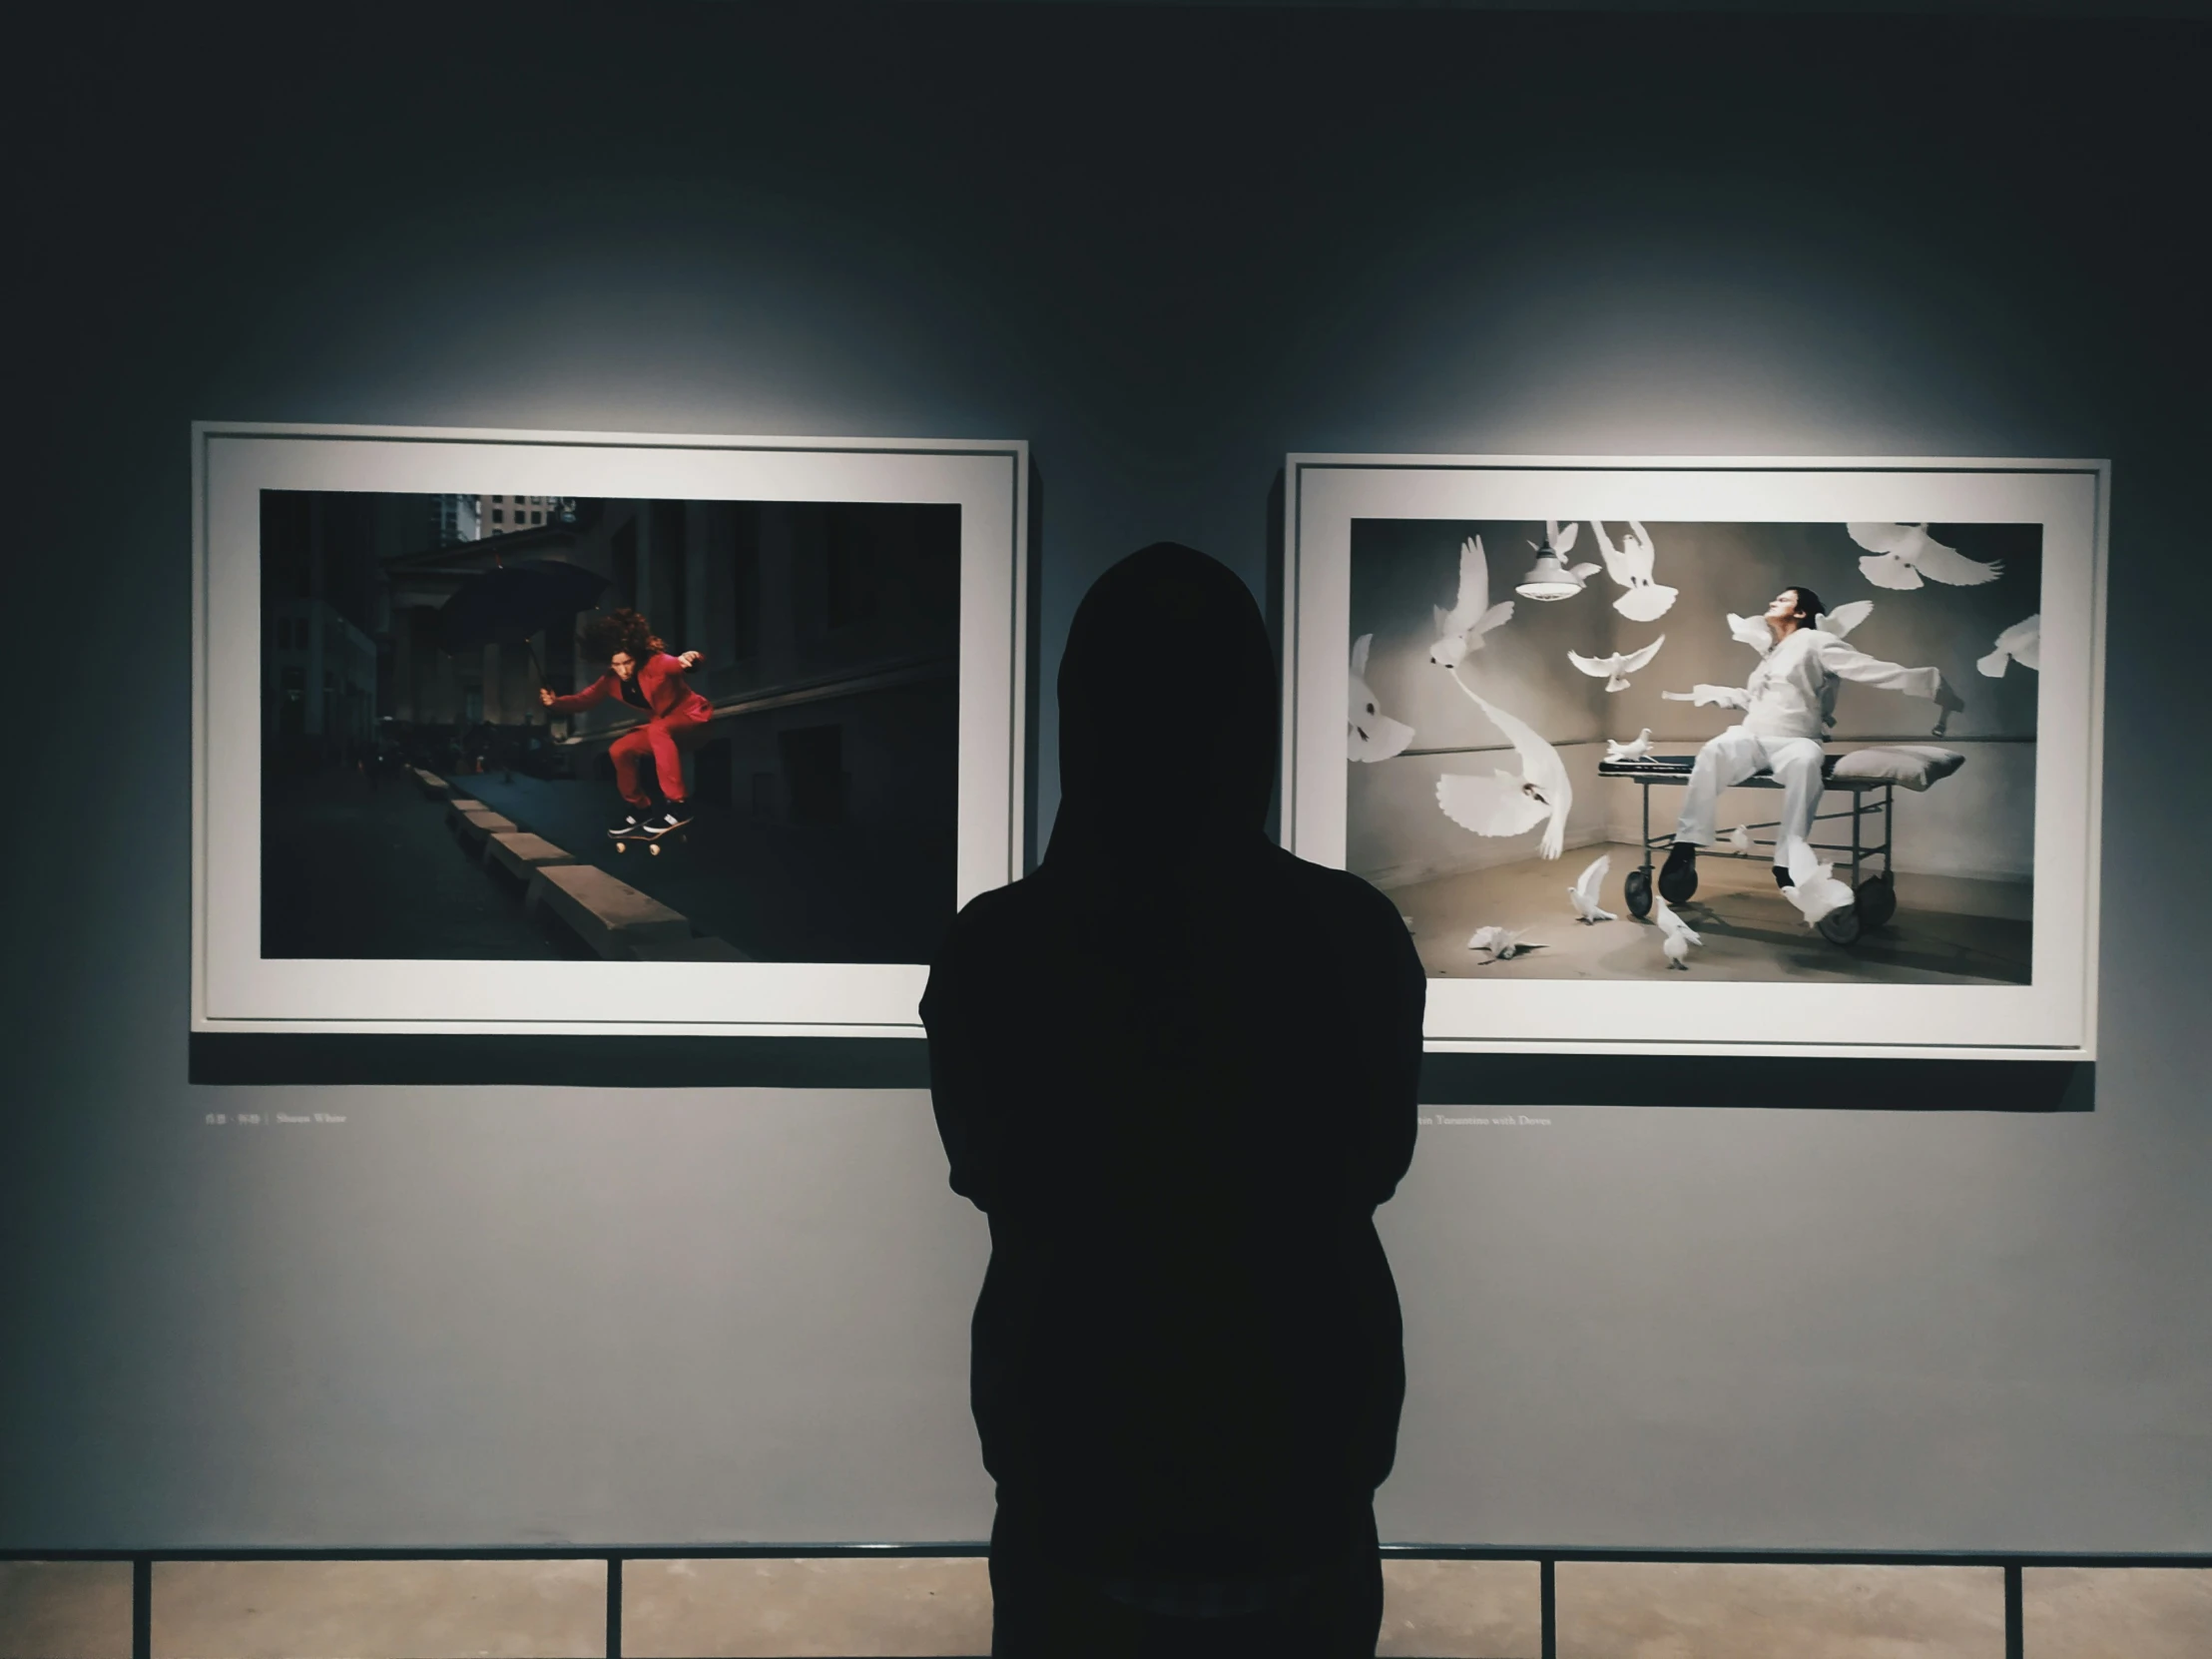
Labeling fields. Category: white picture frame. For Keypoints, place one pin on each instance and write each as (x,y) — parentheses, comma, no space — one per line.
(2051,1016)
(235,990)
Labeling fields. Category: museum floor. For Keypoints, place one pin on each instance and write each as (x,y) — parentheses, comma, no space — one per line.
(1947,931)
(843,1608)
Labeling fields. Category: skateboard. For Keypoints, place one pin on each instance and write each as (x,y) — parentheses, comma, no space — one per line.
(652,841)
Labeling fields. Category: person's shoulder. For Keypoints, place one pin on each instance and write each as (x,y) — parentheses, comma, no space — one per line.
(992,930)
(1336,892)
(998,910)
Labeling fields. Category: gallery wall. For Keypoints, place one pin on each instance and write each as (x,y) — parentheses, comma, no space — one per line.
(1165,245)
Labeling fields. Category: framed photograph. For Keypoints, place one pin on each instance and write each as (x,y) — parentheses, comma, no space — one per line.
(1762,757)
(630,734)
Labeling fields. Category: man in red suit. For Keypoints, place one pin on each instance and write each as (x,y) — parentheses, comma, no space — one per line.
(645,675)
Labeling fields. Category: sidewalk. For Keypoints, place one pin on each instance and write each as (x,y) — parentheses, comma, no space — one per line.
(777,891)
(352,871)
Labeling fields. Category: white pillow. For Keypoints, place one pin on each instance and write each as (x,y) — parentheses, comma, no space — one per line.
(1913,764)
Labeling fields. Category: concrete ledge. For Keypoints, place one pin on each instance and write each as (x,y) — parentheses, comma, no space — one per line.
(1726,1610)
(520,853)
(430,783)
(476,821)
(709,949)
(1494,1610)
(65,1610)
(611,916)
(844,1607)
(2116,1612)
(379,1609)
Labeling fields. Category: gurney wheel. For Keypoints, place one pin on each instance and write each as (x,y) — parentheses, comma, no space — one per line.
(1877,902)
(1637,891)
(1839,925)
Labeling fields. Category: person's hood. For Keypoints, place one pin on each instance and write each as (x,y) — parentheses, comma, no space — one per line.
(1167,711)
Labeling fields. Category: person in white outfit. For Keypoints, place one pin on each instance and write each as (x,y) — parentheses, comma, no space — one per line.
(1787,704)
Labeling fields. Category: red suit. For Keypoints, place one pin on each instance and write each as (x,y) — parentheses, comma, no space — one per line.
(678,720)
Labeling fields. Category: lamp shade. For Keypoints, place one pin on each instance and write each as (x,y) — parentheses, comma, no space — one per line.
(1548,579)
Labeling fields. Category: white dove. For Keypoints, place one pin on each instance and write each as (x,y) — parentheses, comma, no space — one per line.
(2022,643)
(1740,837)
(1501,945)
(1813,887)
(1616,669)
(1461,627)
(1675,935)
(1843,618)
(1375,736)
(1583,895)
(1751,630)
(1505,802)
(1635,749)
(1900,555)
(1630,565)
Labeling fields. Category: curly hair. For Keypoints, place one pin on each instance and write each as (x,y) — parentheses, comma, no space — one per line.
(624,630)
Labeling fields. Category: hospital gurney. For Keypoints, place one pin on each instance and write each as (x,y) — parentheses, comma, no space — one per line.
(1871,797)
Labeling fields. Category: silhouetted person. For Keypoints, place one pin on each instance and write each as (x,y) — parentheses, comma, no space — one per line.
(1176,1067)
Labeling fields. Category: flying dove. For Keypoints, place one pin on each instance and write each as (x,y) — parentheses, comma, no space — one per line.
(1901,555)
(1461,627)
(2022,643)
(1843,618)
(1813,887)
(1583,895)
(1629,565)
(1373,735)
(1751,630)
(1740,837)
(1505,802)
(1616,669)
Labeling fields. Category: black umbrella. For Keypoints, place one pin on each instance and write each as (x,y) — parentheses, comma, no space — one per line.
(508,604)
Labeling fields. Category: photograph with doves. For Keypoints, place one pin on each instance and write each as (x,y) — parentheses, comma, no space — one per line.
(1537,793)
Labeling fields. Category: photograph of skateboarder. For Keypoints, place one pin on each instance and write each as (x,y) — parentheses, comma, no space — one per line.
(642,672)
(791,786)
